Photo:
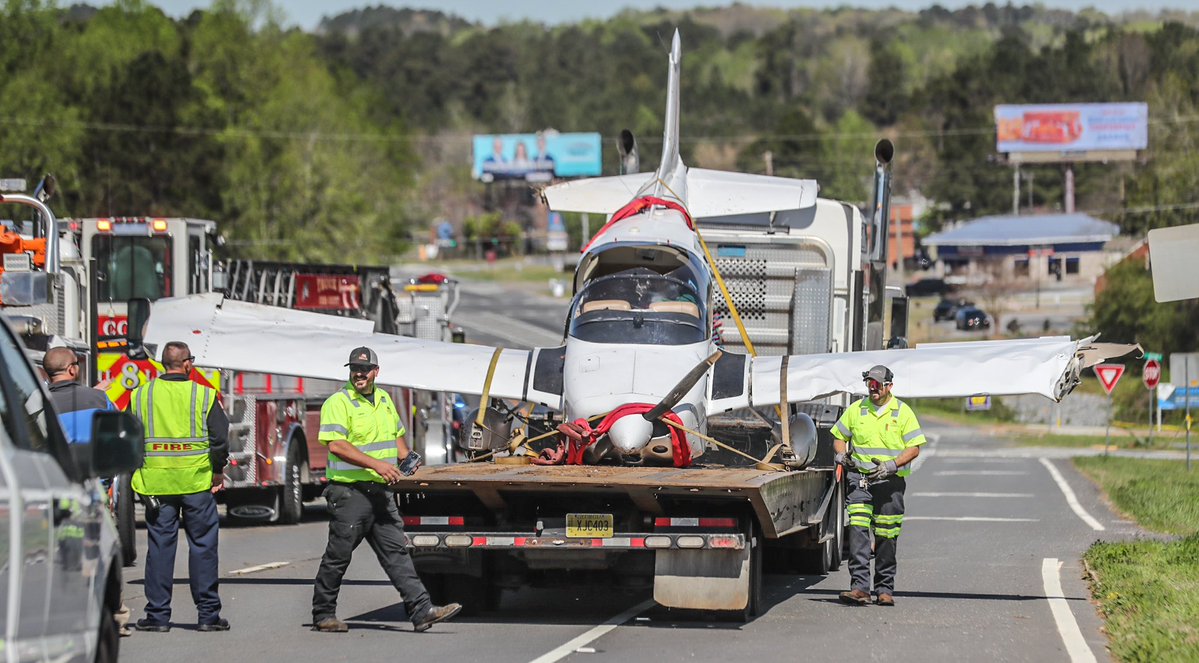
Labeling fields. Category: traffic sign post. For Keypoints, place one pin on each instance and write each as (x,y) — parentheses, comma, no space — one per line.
(1109,375)
(1151,375)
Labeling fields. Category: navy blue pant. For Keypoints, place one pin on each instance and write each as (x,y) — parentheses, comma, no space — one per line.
(202,525)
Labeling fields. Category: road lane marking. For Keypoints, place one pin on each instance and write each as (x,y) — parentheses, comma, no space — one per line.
(929,450)
(587,638)
(980,473)
(974,460)
(977,519)
(1067,627)
(261,567)
(1070,498)
(972,495)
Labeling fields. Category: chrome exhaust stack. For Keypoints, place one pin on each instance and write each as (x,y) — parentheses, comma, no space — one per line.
(878,240)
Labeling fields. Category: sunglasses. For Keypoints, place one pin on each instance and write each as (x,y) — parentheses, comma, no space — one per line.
(362,368)
(874,384)
(190,358)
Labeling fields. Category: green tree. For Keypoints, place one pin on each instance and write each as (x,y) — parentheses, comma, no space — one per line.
(1125,312)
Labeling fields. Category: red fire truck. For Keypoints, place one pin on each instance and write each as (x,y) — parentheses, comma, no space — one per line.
(275,463)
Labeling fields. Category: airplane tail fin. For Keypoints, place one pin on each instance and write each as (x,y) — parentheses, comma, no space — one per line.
(705,193)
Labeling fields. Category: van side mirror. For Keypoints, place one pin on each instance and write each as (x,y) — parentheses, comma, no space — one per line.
(139,315)
(118,445)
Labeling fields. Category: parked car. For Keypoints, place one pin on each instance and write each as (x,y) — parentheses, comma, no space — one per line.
(947,309)
(970,318)
(60,576)
(927,287)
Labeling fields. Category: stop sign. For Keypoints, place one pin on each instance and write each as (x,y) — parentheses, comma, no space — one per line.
(1152,373)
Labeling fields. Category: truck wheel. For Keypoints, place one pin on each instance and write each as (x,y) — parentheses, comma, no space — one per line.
(826,557)
(126,520)
(291,493)
(108,637)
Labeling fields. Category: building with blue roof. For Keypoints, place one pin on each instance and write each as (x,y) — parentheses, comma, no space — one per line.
(1061,247)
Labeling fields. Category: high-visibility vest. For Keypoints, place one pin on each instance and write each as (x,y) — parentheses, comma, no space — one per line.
(372,428)
(174,415)
(880,436)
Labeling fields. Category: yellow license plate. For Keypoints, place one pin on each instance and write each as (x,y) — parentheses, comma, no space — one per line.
(588,525)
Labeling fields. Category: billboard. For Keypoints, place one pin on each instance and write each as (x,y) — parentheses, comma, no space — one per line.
(1072,127)
(536,157)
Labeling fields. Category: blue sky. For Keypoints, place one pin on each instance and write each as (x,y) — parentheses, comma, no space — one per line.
(308,13)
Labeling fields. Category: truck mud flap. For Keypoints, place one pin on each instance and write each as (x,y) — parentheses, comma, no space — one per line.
(702,579)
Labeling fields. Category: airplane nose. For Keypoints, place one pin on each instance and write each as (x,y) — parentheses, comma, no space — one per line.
(630,433)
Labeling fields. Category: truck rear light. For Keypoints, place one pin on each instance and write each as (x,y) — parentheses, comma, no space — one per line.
(104,225)
(657,542)
(426,540)
(233,462)
(723,541)
(160,225)
(690,541)
(418,521)
(696,522)
(458,540)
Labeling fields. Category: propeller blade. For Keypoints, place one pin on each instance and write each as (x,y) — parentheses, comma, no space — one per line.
(672,399)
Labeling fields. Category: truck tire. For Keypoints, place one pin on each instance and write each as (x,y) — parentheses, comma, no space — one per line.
(291,493)
(123,513)
(826,557)
(108,636)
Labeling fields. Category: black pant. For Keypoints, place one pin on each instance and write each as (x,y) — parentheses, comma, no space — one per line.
(883,499)
(202,525)
(366,510)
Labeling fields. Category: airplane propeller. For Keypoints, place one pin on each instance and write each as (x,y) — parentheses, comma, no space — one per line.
(672,399)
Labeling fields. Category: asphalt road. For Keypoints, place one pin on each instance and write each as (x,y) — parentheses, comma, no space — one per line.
(511,317)
(977,581)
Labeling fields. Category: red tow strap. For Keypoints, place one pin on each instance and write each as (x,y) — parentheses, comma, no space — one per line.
(579,435)
(637,206)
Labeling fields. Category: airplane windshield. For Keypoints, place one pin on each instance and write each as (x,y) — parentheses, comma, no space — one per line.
(642,307)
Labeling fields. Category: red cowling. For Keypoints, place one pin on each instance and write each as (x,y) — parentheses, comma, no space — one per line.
(637,206)
(579,435)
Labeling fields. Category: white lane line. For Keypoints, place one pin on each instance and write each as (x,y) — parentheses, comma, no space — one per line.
(1067,627)
(261,567)
(980,473)
(972,495)
(1070,498)
(975,460)
(569,648)
(975,519)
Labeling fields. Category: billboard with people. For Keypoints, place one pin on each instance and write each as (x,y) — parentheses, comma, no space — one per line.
(1072,127)
(536,157)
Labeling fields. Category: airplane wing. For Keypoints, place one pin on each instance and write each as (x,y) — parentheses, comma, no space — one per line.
(720,193)
(1047,366)
(236,335)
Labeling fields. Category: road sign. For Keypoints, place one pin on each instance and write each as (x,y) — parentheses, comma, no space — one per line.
(978,403)
(1109,375)
(1153,355)
(1152,373)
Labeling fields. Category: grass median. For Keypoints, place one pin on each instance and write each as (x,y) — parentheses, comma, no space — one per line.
(1149,590)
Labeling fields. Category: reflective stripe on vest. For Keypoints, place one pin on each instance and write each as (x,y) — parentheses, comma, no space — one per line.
(174,415)
(371,427)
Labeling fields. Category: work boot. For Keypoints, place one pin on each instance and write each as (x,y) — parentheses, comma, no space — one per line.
(437,614)
(855,597)
(218,624)
(151,626)
(885,599)
(331,625)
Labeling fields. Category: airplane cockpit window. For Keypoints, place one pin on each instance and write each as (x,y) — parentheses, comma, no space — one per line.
(640,306)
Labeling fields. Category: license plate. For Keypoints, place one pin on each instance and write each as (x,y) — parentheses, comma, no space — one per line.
(588,525)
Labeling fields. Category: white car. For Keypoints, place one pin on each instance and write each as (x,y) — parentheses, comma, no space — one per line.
(60,564)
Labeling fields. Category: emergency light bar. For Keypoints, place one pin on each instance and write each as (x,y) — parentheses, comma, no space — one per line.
(106,225)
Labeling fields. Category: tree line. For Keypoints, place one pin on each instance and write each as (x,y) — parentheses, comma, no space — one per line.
(343,143)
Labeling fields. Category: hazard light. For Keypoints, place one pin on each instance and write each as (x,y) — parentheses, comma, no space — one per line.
(104,225)
(160,225)
(458,540)
(690,541)
(426,540)
(724,541)
(657,542)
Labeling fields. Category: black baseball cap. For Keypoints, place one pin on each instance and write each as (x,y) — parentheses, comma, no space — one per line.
(363,355)
(880,373)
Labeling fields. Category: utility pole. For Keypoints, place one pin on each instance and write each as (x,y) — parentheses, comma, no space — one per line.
(768,157)
(1016,190)
(1069,188)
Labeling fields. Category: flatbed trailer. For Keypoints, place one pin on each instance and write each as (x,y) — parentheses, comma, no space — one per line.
(701,535)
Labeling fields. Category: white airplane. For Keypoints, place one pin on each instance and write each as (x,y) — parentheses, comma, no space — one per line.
(639,344)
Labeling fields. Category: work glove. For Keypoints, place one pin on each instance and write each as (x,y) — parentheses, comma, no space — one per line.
(884,470)
(842,460)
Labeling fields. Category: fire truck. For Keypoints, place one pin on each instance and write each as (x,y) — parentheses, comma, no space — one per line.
(275,464)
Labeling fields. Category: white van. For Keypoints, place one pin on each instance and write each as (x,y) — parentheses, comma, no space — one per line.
(60,565)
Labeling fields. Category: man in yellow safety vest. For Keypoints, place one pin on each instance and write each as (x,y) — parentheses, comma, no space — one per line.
(876,440)
(186,450)
(367,453)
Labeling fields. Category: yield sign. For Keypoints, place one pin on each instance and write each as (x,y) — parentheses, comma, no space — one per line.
(1109,375)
